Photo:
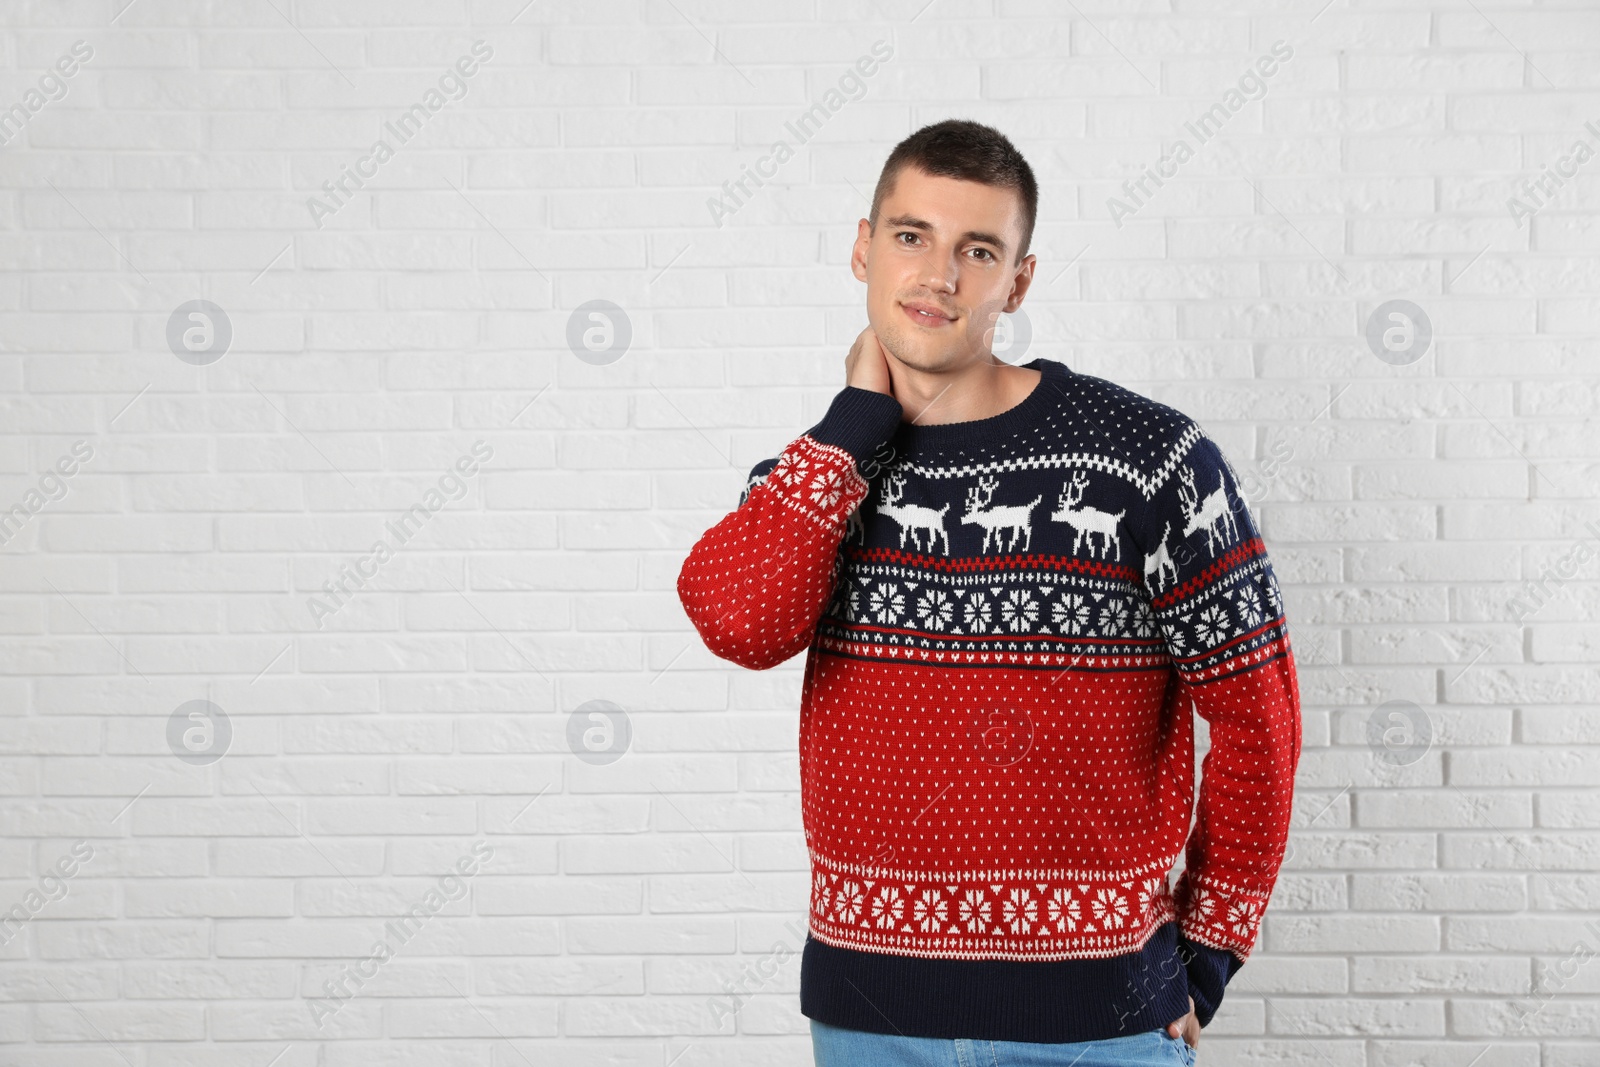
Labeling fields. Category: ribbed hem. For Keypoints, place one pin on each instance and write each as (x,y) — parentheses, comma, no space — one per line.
(1210,970)
(997,1000)
(858,421)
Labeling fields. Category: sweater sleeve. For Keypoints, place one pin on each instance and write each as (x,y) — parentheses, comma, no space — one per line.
(755,584)
(1220,610)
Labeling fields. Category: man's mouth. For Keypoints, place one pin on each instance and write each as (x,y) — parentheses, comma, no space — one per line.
(926,315)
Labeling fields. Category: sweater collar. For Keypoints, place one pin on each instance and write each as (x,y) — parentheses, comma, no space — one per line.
(996,429)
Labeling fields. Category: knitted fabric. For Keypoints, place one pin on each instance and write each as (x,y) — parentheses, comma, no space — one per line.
(1007,623)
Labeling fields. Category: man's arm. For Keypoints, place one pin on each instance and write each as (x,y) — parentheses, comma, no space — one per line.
(1221,612)
(755,584)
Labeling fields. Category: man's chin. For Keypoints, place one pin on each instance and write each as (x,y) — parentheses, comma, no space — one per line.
(934,360)
(905,348)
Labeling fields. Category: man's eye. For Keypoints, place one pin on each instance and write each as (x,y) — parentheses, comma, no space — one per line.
(985,251)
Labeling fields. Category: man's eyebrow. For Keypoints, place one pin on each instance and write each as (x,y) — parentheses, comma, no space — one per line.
(911,222)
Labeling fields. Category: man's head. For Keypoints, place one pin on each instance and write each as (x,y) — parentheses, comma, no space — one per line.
(952,217)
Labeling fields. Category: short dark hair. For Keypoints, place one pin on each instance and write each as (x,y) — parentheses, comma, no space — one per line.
(971,151)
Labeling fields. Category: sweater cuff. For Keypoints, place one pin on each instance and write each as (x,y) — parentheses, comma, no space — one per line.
(1209,970)
(858,421)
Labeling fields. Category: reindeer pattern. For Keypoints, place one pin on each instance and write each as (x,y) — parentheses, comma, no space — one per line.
(999,525)
(1006,527)
(914,519)
(1002,527)
(1014,520)
(1088,521)
(999,514)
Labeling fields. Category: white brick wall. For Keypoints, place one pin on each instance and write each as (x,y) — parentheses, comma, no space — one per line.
(1428,911)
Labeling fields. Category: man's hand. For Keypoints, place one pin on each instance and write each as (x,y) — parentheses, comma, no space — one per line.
(867,367)
(1187,1027)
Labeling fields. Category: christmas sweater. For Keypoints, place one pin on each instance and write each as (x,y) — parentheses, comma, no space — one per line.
(1009,625)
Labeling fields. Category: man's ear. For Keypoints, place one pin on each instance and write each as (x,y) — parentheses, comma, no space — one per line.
(858,251)
(1020,285)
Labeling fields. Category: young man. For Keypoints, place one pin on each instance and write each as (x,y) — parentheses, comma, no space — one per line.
(1012,583)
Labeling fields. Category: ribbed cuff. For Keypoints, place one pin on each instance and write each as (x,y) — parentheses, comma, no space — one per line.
(858,421)
(1209,971)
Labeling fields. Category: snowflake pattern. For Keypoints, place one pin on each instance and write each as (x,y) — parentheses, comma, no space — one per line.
(1037,910)
(1071,613)
(929,911)
(976,613)
(1177,640)
(1243,917)
(1062,910)
(1147,893)
(1110,908)
(886,603)
(821,894)
(792,469)
(1020,910)
(1223,916)
(847,905)
(1035,611)
(1212,627)
(888,908)
(1274,597)
(827,488)
(974,911)
(1203,906)
(935,610)
(851,603)
(1019,610)
(1248,602)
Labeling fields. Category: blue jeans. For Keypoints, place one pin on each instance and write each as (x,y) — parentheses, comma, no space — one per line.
(835,1047)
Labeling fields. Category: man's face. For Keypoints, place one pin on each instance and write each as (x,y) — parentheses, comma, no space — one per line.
(948,245)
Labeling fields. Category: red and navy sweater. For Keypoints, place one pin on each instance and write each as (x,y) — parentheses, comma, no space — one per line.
(1009,623)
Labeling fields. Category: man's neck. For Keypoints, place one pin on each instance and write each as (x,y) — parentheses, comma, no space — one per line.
(979,390)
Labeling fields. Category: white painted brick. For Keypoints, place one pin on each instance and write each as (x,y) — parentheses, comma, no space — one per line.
(1352,29)
(619,976)
(476,776)
(1534,29)
(566,895)
(298,858)
(69,129)
(210,898)
(1351,934)
(117,1023)
(220,981)
(479,1018)
(123,939)
(1415,154)
(86,898)
(293,1021)
(1086,78)
(1454,72)
(1387,974)
(389,817)
(342,777)
(1192,239)
(1569,809)
(318,735)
